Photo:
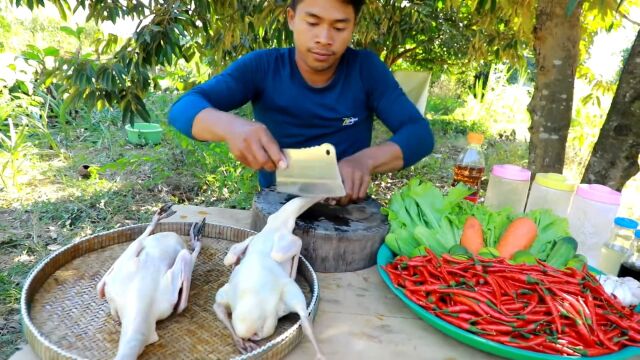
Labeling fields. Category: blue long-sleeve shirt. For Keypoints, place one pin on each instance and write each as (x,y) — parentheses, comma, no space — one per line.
(299,115)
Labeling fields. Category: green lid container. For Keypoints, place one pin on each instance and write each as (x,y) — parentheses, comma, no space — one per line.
(144,133)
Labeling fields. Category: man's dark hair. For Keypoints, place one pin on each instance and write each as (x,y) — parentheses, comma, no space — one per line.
(357,5)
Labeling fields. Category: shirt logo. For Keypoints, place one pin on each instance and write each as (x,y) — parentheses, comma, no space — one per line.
(346,121)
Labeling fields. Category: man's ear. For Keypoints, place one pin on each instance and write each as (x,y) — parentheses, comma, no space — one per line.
(290,17)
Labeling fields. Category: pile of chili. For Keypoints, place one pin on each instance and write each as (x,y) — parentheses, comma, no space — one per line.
(532,307)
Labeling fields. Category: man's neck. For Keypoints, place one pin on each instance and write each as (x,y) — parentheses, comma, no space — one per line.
(314,78)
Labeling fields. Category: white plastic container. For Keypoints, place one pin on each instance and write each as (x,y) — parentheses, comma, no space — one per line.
(591,218)
(551,191)
(508,187)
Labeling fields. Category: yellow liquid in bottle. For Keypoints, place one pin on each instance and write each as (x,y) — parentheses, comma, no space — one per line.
(610,261)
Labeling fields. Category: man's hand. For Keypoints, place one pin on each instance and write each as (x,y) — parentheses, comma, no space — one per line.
(356,170)
(356,176)
(249,141)
(253,145)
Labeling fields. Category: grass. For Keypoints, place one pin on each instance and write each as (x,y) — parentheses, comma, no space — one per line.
(57,206)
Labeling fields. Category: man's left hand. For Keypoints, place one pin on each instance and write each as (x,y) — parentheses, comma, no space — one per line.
(356,176)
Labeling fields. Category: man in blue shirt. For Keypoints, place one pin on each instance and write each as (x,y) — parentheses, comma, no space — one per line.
(321,90)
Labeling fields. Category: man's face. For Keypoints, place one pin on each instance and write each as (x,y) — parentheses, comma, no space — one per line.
(322,30)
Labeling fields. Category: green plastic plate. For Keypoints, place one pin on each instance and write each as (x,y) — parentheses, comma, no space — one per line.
(385,256)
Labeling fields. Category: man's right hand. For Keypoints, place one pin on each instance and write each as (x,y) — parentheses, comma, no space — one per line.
(249,141)
(253,145)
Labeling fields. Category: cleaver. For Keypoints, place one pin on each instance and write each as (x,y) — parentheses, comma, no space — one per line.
(311,171)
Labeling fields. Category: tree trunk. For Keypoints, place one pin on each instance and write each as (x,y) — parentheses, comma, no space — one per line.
(556,40)
(615,156)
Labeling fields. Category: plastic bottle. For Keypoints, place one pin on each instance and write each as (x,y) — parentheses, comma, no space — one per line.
(591,217)
(551,191)
(508,187)
(469,167)
(631,264)
(613,253)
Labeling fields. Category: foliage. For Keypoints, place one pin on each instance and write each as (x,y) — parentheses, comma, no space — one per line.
(421,35)
(191,38)
(23,123)
(500,106)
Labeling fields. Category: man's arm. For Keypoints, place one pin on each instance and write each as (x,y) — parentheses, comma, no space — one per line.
(412,137)
(356,170)
(249,141)
(202,113)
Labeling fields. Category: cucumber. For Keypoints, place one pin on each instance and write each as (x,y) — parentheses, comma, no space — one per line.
(578,261)
(489,253)
(562,252)
(523,257)
(459,251)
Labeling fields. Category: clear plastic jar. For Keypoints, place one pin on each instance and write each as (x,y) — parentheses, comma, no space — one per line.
(614,251)
(508,187)
(591,218)
(631,264)
(551,191)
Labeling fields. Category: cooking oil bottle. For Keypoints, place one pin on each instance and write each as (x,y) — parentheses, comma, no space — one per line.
(469,167)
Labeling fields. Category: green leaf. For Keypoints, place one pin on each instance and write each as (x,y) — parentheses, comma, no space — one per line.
(51,51)
(61,9)
(30,55)
(67,30)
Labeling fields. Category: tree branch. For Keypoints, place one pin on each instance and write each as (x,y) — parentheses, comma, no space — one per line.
(401,54)
(626,17)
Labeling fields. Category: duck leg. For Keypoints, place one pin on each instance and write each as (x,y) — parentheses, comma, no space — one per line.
(294,300)
(221,309)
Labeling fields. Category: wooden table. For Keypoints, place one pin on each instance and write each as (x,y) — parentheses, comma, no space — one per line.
(358,317)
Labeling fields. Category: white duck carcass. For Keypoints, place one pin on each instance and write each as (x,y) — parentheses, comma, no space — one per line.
(262,286)
(148,282)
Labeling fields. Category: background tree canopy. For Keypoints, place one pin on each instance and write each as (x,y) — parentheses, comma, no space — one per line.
(200,37)
(205,36)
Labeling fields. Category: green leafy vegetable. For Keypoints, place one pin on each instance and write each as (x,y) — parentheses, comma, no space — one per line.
(551,228)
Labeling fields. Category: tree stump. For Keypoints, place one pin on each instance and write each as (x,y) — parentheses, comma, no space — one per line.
(334,238)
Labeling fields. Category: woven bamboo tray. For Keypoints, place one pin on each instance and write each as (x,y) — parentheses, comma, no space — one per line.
(63,318)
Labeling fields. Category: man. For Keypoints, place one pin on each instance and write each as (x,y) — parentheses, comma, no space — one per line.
(321,90)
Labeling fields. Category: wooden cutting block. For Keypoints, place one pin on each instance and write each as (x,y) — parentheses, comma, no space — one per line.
(334,238)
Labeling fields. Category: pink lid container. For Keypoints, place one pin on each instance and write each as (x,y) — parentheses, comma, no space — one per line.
(599,193)
(511,172)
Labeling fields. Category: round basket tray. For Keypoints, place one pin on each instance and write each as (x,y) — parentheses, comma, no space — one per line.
(63,318)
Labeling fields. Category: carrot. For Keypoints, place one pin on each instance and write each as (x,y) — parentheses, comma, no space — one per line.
(519,235)
(471,237)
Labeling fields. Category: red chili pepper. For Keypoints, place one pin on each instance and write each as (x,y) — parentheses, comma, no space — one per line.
(547,298)
(496,328)
(467,293)
(496,289)
(424,288)
(557,348)
(597,351)
(580,325)
(460,323)
(454,260)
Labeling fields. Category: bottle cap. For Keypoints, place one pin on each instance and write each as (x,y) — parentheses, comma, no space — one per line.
(511,172)
(625,222)
(599,193)
(475,138)
(555,181)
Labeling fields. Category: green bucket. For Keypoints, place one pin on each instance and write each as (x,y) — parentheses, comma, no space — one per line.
(144,133)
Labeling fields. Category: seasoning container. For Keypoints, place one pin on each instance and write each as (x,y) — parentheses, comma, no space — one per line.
(614,251)
(631,264)
(551,191)
(469,167)
(508,187)
(591,218)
